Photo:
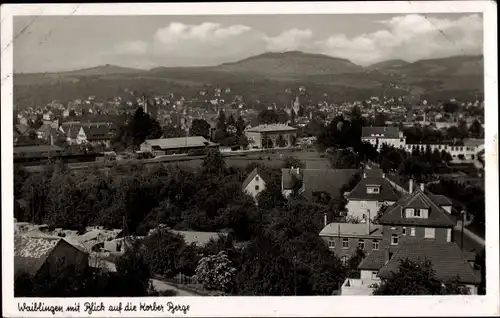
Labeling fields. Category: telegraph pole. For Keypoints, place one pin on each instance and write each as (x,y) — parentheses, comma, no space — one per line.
(462,231)
(295,275)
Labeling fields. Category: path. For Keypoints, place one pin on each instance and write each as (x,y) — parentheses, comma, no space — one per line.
(161,286)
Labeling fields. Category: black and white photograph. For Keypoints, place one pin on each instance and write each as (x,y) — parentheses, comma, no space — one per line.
(305,154)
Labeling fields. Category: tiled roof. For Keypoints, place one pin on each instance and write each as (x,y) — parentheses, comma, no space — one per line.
(383,132)
(31,252)
(97,132)
(387,192)
(73,131)
(439,199)
(373,261)
(351,230)
(319,180)
(374,173)
(471,142)
(169,143)
(447,260)
(252,175)
(437,216)
(271,127)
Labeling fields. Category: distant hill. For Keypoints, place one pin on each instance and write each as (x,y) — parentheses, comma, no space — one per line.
(463,65)
(103,70)
(388,65)
(292,63)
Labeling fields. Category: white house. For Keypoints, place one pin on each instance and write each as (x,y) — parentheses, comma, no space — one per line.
(368,268)
(378,136)
(255,183)
(370,194)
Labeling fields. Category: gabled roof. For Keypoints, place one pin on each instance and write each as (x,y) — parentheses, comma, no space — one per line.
(417,199)
(447,260)
(375,260)
(252,175)
(31,252)
(21,129)
(318,180)
(381,132)
(73,131)
(387,192)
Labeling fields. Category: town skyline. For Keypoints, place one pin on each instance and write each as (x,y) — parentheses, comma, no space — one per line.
(48,44)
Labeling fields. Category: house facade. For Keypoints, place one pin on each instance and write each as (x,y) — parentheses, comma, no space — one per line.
(417,216)
(271,136)
(378,136)
(370,194)
(255,183)
(345,238)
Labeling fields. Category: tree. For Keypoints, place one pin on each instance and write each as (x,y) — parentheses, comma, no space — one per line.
(240,125)
(216,272)
(200,127)
(133,272)
(221,121)
(214,162)
(294,162)
(417,278)
(243,141)
(268,117)
(266,142)
(476,130)
(450,107)
(344,159)
(171,131)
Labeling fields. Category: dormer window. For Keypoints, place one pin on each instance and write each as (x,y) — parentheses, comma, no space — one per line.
(373,189)
(417,213)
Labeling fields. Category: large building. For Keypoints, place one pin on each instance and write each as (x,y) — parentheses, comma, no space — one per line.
(170,146)
(271,136)
(378,136)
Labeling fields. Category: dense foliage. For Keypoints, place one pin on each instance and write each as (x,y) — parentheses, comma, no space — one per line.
(418,278)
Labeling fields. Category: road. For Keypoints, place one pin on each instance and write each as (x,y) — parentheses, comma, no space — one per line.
(161,286)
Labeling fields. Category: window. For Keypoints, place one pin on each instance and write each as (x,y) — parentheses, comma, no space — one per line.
(401,140)
(361,244)
(375,190)
(394,239)
(429,232)
(416,213)
(448,235)
(256,178)
(345,243)
(375,245)
(412,231)
(364,217)
(344,260)
(257,187)
(403,230)
(331,244)
(374,275)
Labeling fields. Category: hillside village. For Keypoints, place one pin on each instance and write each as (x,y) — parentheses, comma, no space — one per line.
(310,193)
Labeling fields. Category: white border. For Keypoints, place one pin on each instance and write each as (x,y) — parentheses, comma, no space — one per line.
(276,306)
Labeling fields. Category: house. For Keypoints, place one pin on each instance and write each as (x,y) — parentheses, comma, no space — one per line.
(448,261)
(97,134)
(43,255)
(418,216)
(378,136)
(271,136)
(169,146)
(315,184)
(370,194)
(255,183)
(75,135)
(368,268)
(344,238)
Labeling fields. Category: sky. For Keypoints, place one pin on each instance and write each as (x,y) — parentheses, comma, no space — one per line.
(60,43)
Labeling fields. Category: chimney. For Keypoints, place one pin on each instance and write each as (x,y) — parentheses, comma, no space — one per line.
(326,219)
(364,175)
(422,187)
(410,190)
